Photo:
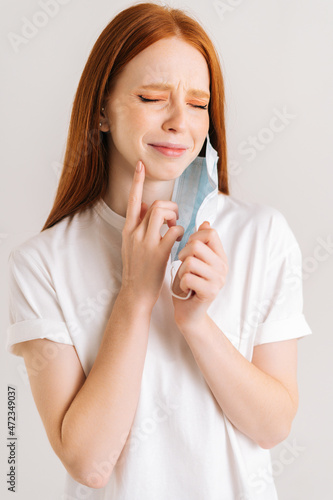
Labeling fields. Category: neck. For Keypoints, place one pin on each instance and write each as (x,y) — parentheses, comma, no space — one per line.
(119,187)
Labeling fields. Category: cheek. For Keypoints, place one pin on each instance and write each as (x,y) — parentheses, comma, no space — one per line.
(204,127)
(205,122)
(198,122)
(121,114)
(132,119)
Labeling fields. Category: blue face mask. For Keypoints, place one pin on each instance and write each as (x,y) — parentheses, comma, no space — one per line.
(196,194)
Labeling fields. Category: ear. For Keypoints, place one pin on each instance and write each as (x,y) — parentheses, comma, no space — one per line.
(103,120)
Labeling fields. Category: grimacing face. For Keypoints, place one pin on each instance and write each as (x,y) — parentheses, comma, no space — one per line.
(139,115)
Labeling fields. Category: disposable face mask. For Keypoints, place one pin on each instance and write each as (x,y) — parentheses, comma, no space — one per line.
(196,194)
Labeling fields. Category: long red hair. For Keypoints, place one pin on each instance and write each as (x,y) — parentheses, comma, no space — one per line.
(84,177)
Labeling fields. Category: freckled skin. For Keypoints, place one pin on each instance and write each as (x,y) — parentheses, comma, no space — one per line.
(133,124)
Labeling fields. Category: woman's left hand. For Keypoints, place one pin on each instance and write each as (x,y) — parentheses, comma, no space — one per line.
(203,270)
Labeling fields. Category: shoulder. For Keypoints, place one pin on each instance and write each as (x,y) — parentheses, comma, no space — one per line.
(53,241)
(231,206)
(41,242)
(255,221)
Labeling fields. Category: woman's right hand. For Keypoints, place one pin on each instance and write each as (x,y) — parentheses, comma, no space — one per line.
(144,251)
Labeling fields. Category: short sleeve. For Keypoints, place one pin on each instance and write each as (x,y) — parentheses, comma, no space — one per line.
(34,311)
(282,315)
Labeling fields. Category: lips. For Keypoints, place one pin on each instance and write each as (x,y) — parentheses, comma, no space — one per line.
(169,149)
(169,145)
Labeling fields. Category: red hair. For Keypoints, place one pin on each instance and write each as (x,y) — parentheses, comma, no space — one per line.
(84,177)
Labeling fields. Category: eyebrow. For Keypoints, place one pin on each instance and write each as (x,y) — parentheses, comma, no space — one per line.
(166,86)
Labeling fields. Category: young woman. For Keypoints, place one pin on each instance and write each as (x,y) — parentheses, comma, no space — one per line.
(157,315)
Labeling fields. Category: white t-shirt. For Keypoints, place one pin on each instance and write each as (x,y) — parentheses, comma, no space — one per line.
(63,285)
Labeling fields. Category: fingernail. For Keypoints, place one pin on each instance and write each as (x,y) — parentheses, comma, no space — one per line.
(139,166)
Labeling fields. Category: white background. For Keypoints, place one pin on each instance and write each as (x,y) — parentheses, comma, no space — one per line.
(276,55)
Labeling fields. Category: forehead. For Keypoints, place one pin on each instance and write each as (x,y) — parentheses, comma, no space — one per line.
(169,61)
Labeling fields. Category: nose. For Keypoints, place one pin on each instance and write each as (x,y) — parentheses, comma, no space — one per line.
(176,116)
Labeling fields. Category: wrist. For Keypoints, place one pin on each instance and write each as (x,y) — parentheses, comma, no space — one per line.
(193,327)
(139,305)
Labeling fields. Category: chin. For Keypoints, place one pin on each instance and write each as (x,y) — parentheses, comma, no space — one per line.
(158,171)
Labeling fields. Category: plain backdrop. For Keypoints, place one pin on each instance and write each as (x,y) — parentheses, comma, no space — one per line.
(276,58)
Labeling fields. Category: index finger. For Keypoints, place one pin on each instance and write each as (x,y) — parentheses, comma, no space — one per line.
(135,197)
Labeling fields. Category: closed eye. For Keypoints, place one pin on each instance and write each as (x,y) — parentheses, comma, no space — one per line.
(148,100)
(144,99)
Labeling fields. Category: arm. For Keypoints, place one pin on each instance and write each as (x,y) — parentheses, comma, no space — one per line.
(260,398)
(87,420)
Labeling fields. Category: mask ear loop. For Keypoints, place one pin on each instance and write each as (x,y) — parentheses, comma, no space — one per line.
(171,283)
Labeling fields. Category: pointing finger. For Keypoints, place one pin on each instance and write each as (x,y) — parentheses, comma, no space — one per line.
(135,196)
